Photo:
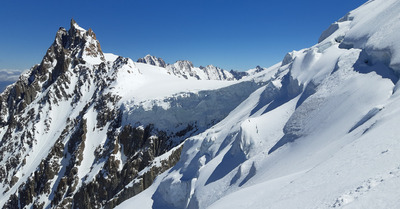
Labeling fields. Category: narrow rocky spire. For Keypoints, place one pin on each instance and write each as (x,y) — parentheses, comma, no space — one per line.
(73,22)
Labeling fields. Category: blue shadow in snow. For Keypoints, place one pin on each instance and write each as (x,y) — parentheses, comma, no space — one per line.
(228,163)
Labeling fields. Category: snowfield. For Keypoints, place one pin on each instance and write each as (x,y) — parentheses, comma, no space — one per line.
(323,133)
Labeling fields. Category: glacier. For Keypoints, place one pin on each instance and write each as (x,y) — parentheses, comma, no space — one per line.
(321,134)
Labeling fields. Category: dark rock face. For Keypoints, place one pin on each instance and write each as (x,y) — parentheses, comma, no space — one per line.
(114,181)
(259,69)
(119,185)
(238,74)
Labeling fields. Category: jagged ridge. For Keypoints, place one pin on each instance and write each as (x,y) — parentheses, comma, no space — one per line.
(186,69)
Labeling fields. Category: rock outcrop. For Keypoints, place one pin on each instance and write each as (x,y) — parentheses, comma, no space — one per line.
(152,60)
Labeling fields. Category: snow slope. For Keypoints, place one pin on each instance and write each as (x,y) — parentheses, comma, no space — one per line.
(322,133)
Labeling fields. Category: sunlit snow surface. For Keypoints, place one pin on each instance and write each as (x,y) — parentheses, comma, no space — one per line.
(333,144)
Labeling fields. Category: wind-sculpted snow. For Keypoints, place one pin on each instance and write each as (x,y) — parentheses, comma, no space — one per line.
(372,28)
(366,118)
(321,133)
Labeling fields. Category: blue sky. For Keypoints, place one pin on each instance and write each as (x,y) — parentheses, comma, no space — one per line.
(231,34)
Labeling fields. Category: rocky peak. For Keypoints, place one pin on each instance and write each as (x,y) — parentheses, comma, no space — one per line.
(75,27)
(76,43)
(69,49)
(182,68)
(76,30)
(83,41)
(216,73)
(185,69)
(184,64)
(258,69)
(212,67)
(75,46)
(152,60)
(238,74)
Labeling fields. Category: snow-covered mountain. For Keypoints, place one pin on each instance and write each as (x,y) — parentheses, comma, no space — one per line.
(152,60)
(322,133)
(87,129)
(185,69)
